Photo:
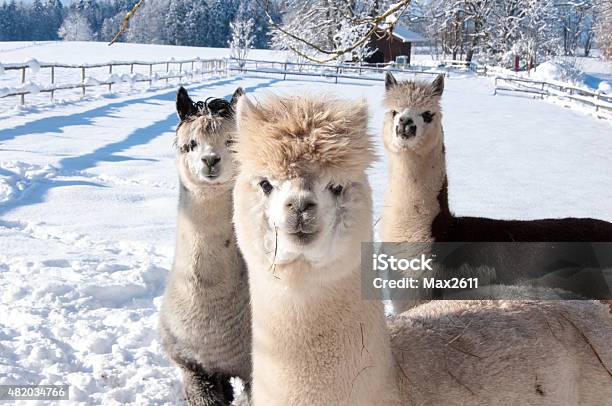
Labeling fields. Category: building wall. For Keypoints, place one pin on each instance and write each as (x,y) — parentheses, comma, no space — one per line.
(388,49)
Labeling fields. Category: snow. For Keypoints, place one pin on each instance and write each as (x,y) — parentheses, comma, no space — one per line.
(592,73)
(405,34)
(88,196)
(33,54)
(34,66)
(75,52)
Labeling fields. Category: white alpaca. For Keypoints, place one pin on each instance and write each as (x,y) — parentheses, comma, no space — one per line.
(302,207)
(205,315)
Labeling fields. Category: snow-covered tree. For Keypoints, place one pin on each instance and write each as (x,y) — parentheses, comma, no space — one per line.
(576,20)
(38,31)
(10,28)
(75,28)
(603,29)
(328,29)
(242,38)
(54,16)
(538,30)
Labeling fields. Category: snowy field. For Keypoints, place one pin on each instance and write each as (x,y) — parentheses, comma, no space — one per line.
(73,53)
(88,195)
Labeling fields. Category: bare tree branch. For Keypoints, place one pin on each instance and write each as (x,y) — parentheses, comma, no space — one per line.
(333,54)
(126,21)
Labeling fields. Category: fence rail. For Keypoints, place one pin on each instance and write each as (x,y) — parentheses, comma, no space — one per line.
(336,71)
(186,68)
(546,89)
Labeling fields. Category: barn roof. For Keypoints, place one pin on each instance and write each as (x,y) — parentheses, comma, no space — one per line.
(404,34)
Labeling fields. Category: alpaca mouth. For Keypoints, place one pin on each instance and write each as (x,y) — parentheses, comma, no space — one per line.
(303,237)
(211,176)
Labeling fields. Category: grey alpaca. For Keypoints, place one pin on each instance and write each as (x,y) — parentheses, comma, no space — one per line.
(205,318)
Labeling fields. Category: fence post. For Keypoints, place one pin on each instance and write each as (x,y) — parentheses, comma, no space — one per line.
(110,73)
(542,91)
(83,81)
(597,101)
(337,73)
(52,82)
(495,90)
(150,74)
(285,70)
(131,68)
(167,71)
(23,77)
(181,72)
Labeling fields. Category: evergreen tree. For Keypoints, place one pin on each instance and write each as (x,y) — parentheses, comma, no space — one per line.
(39,25)
(54,12)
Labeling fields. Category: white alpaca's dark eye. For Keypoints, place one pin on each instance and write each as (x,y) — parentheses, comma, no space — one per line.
(229,142)
(335,189)
(393,113)
(428,116)
(266,186)
(192,145)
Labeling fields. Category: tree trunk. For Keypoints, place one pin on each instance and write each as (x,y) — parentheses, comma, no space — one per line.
(469,55)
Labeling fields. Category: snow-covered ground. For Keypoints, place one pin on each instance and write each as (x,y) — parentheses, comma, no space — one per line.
(99,52)
(88,200)
(73,53)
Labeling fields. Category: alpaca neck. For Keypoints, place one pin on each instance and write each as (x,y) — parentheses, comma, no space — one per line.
(204,225)
(321,346)
(416,195)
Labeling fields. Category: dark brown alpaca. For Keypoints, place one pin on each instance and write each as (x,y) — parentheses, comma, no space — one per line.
(447,227)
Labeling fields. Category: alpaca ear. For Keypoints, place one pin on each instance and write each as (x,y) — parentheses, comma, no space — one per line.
(244,108)
(389,81)
(184,104)
(437,85)
(237,94)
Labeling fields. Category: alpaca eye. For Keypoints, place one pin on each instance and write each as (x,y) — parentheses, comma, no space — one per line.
(428,116)
(393,113)
(266,186)
(229,142)
(336,189)
(192,145)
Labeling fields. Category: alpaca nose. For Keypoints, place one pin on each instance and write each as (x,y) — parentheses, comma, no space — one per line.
(211,160)
(301,206)
(405,120)
(406,127)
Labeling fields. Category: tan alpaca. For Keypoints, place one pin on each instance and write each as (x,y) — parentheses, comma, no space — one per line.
(417,167)
(302,206)
(205,315)
(416,205)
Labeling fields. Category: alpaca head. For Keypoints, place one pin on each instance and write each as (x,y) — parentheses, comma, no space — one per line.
(301,195)
(203,140)
(413,121)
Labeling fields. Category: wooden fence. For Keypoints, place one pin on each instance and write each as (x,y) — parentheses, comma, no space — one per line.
(186,68)
(337,71)
(544,89)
